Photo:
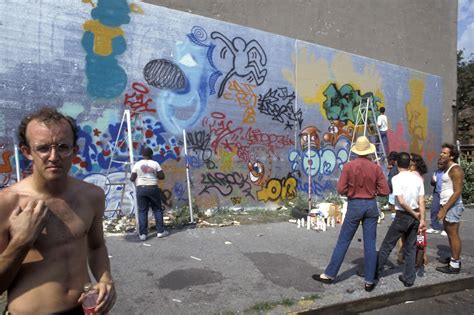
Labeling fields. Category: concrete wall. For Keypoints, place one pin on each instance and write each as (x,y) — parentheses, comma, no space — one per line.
(266,116)
(418,34)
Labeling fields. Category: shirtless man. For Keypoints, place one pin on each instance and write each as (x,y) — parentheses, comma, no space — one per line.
(51,226)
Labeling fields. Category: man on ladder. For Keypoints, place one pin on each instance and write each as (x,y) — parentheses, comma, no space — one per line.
(366,117)
(382,124)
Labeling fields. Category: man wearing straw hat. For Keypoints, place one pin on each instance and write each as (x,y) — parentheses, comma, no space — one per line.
(361,181)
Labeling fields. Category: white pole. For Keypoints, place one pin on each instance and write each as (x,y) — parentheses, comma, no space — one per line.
(366,114)
(309,172)
(131,161)
(17,162)
(188,179)
(129,135)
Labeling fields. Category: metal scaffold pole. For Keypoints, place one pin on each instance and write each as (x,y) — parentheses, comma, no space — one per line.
(188,178)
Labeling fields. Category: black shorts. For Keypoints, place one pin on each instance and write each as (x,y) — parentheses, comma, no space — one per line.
(73,311)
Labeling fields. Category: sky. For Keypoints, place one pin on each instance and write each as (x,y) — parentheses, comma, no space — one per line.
(466,28)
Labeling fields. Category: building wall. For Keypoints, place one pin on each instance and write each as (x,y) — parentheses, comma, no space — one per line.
(419,35)
(265,116)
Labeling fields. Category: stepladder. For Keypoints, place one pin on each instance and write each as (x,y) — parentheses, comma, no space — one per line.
(122,159)
(366,125)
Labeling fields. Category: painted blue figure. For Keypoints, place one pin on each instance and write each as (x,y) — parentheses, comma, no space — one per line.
(103,40)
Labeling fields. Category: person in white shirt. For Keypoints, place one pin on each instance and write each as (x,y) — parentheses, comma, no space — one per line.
(382,123)
(451,207)
(145,174)
(409,194)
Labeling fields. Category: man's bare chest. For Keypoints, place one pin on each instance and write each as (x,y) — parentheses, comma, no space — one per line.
(68,220)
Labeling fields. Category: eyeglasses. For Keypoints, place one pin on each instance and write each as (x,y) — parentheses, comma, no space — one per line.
(62,149)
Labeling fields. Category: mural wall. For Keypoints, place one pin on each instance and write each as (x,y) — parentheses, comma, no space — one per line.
(260,111)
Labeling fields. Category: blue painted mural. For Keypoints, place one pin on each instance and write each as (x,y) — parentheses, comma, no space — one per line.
(260,111)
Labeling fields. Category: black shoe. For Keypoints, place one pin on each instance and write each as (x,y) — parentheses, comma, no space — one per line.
(444,260)
(448,269)
(369,286)
(323,280)
(406,284)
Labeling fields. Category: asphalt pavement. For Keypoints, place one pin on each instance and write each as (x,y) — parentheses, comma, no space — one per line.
(237,269)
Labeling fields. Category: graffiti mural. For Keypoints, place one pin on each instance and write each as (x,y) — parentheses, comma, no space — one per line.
(279,104)
(266,117)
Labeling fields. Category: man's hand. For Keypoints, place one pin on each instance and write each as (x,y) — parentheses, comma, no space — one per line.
(422,226)
(441,213)
(26,224)
(106,298)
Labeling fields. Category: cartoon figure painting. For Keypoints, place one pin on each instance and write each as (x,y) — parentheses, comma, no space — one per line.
(103,40)
(247,59)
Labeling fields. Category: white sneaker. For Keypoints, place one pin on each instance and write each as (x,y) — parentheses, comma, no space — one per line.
(142,237)
(164,234)
(444,233)
(432,231)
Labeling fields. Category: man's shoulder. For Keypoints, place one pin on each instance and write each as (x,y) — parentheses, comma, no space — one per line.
(86,189)
(455,168)
(10,197)
(404,175)
(20,189)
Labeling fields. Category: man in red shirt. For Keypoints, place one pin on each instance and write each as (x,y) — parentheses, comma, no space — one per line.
(361,181)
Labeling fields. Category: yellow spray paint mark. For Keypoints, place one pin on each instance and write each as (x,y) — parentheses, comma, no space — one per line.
(227,164)
(90,2)
(417,115)
(103,36)
(135,8)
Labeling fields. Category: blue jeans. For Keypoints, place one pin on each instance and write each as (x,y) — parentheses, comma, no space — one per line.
(149,196)
(404,224)
(383,135)
(358,210)
(435,205)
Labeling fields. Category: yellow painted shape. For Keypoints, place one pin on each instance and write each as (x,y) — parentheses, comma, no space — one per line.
(417,115)
(313,76)
(227,163)
(90,2)
(276,189)
(135,8)
(103,36)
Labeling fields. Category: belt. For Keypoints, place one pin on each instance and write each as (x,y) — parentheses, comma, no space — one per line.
(406,212)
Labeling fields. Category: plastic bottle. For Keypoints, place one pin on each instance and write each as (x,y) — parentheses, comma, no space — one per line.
(421,240)
(90,300)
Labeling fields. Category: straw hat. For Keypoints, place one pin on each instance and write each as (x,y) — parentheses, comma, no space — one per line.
(363,146)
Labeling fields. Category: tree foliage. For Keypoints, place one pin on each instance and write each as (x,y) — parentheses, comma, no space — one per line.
(465,97)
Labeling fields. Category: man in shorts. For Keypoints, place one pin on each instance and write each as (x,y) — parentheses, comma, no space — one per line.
(451,206)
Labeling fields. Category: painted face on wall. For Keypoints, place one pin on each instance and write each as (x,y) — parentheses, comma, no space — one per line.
(257,172)
(311,133)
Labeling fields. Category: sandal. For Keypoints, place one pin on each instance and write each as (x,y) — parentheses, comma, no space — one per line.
(323,280)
